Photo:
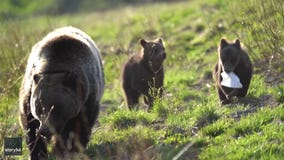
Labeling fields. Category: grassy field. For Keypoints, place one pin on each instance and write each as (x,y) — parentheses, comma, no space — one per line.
(188,122)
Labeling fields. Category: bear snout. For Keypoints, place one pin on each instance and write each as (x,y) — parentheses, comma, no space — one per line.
(228,68)
(45,131)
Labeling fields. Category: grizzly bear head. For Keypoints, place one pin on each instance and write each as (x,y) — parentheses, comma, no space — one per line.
(153,52)
(55,99)
(229,55)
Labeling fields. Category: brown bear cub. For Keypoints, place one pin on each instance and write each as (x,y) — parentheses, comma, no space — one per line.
(232,58)
(143,73)
(61,92)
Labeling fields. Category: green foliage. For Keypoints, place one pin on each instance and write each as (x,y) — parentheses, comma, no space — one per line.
(253,123)
(132,143)
(18,8)
(261,24)
(278,92)
(206,115)
(254,90)
(122,119)
(254,136)
(217,128)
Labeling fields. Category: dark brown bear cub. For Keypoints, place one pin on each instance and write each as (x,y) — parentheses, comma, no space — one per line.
(232,59)
(143,73)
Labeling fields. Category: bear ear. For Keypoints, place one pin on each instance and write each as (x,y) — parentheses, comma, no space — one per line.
(160,40)
(238,43)
(223,43)
(143,42)
(36,78)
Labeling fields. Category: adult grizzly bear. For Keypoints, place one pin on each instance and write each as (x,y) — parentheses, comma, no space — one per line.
(61,92)
(232,59)
(143,73)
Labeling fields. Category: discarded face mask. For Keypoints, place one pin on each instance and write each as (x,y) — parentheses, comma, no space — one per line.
(230,80)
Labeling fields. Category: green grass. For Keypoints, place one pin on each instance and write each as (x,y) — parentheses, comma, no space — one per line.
(258,136)
(189,111)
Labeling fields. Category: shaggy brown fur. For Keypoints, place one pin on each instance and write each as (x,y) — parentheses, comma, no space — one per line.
(60,92)
(143,73)
(232,58)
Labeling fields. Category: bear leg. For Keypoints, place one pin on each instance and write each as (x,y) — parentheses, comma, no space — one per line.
(222,97)
(76,132)
(92,110)
(243,92)
(149,100)
(69,140)
(132,98)
(34,141)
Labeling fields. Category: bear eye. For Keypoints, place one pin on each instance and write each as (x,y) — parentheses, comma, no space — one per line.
(153,51)
(36,78)
(160,50)
(154,48)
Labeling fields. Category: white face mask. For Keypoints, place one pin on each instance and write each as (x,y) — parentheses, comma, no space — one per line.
(231,80)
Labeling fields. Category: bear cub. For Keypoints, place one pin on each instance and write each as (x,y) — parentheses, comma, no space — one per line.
(143,73)
(232,58)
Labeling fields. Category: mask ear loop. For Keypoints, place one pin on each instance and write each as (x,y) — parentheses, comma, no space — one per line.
(152,52)
(150,63)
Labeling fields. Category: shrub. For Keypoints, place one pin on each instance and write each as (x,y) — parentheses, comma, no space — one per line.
(261,26)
